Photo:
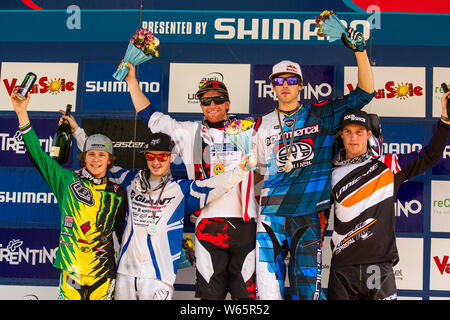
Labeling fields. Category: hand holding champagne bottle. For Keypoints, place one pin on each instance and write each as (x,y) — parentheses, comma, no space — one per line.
(62,140)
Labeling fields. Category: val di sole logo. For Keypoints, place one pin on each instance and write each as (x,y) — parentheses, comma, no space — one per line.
(82,193)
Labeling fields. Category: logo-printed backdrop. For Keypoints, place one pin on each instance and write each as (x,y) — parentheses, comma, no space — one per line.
(12,148)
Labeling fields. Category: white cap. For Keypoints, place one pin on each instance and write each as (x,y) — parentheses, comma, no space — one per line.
(286,66)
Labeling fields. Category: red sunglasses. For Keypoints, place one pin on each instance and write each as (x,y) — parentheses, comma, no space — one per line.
(161,157)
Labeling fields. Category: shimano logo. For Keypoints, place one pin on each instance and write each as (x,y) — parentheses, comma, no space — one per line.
(120,86)
(27,197)
(407,207)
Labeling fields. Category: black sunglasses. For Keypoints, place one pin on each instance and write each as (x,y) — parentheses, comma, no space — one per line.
(217,100)
(279,81)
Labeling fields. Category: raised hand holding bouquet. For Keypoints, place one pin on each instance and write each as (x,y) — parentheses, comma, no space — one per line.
(143,46)
(240,134)
(328,24)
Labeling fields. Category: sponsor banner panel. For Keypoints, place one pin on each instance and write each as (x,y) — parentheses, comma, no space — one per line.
(185,79)
(122,132)
(409,207)
(25,198)
(55,86)
(205,26)
(12,147)
(128,136)
(440,264)
(400,91)
(402,138)
(440,206)
(443,166)
(409,271)
(101,92)
(440,75)
(318,82)
(28,253)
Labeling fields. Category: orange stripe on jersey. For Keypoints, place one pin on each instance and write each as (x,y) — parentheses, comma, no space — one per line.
(359,231)
(367,190)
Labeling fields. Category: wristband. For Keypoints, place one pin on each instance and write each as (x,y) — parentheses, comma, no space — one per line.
(445,118)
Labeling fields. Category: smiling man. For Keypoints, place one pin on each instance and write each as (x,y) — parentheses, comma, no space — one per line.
(295,144)
(364,188)
(91,208)
(222,266)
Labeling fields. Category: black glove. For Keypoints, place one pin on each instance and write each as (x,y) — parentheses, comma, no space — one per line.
(353,40)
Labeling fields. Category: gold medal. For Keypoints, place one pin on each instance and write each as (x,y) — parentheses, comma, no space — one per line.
(218,168)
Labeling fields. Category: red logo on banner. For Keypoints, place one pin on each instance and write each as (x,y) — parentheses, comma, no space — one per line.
(443,266)
(401,90)
(43,85)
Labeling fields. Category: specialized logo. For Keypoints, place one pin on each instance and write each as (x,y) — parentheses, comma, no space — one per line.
(360,232)
(82,193)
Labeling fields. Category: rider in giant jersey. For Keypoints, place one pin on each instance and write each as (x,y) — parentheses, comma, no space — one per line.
(295,144)
(149,259)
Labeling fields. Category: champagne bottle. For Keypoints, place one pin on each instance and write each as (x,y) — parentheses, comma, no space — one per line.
(62,140)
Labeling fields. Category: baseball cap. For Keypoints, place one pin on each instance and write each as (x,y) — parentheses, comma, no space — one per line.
(286,66)
(98,142)
(158,142)
(355,117)
(211,86)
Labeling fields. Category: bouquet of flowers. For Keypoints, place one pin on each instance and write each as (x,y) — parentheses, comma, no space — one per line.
(143,46)
(328,24)
(187,258)
(240,134)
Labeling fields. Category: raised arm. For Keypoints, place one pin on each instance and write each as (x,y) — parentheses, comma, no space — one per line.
(50,170)
(414,163)
(139,99)
(354,40)
(365,76)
